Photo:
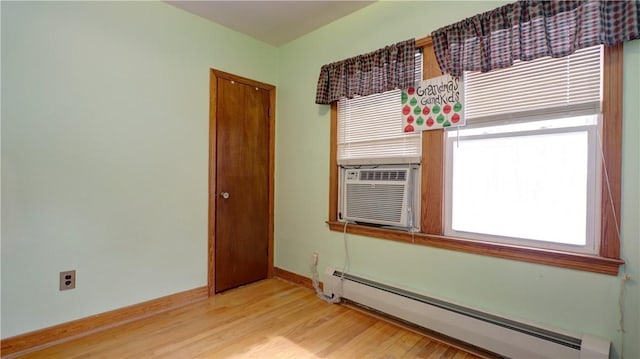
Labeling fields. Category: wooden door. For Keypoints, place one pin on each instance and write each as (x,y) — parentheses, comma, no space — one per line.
(242,188)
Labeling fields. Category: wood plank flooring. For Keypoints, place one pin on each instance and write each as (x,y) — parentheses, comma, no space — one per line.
(267,319)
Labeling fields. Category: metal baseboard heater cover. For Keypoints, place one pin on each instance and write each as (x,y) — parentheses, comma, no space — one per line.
(500,335)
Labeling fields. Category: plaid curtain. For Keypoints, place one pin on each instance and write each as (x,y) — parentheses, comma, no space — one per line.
(392,67)
(529,29)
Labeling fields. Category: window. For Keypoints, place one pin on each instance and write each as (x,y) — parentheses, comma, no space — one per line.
(574,125)
(369,131)
(524,171)
(528,184)
(370,138)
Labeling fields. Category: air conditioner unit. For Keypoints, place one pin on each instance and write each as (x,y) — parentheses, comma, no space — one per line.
(384,195)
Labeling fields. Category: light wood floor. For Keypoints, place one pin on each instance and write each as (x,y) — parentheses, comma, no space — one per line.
(267,319)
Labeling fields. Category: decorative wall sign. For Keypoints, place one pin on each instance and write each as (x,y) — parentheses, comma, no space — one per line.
(433,104)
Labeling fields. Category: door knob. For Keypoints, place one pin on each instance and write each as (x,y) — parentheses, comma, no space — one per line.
(224,195)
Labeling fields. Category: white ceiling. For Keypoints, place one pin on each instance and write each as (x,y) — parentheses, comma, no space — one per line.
(273,22)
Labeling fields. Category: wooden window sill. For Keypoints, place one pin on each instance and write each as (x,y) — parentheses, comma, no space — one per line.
(584,262)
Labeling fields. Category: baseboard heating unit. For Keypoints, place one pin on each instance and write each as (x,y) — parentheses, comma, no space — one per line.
(503,336)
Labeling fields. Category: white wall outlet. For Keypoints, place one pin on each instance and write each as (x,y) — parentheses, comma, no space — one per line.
(67,280)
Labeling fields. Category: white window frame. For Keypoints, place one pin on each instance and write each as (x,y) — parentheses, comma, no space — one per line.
(592,229)
(485,113)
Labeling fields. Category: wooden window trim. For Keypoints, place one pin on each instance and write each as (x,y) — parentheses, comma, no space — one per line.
(432,199)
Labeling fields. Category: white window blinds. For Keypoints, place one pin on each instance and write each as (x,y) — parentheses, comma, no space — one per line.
(543,89)
(370,129)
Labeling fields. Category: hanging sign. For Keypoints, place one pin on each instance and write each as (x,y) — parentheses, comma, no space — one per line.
(433,104)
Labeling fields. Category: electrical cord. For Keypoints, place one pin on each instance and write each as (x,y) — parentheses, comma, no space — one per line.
(316,285)
(315,280)
(347,260)
(621,295)
(625,276)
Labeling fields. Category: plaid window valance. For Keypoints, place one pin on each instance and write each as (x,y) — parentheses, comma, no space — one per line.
(527,30)
(392,67)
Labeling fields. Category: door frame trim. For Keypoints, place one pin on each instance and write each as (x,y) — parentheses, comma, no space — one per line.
(213,93)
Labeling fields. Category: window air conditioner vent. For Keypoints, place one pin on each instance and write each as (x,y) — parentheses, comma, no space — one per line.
(381,196)
(383,175)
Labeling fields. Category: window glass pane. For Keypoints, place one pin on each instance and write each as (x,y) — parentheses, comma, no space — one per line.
(531,186)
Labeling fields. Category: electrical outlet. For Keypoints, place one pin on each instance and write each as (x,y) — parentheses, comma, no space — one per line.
(67,280)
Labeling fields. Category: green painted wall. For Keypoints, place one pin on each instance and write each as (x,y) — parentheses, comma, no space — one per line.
(104,167)
(105,110)
(566,299)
